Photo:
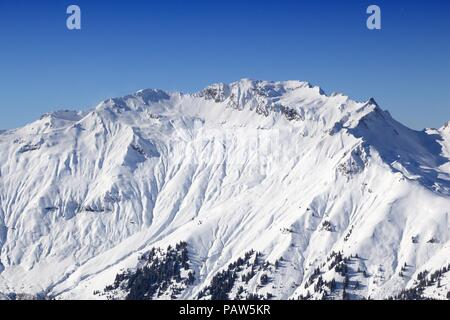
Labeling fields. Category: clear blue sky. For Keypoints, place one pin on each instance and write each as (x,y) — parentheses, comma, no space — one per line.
(185,45)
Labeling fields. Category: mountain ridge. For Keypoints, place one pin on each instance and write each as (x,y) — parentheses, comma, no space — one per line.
(85,194)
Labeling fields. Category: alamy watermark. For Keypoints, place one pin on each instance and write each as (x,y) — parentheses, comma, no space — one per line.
(260,151)
(374,20)
(73,21)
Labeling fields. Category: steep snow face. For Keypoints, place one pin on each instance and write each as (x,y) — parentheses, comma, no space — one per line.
(279,168)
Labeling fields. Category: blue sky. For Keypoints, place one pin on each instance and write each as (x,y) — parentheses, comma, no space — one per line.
(185,45)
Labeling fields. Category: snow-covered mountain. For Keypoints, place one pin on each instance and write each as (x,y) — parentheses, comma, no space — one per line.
(250,190)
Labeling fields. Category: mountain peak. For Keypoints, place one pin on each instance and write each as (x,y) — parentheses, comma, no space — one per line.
(67,115)
(152,95)
(287,84)
(446,126)
(372,102)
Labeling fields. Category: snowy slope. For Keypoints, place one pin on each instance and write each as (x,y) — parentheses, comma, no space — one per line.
(300,177)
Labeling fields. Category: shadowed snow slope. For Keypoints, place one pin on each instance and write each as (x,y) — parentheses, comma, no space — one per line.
(275,167)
